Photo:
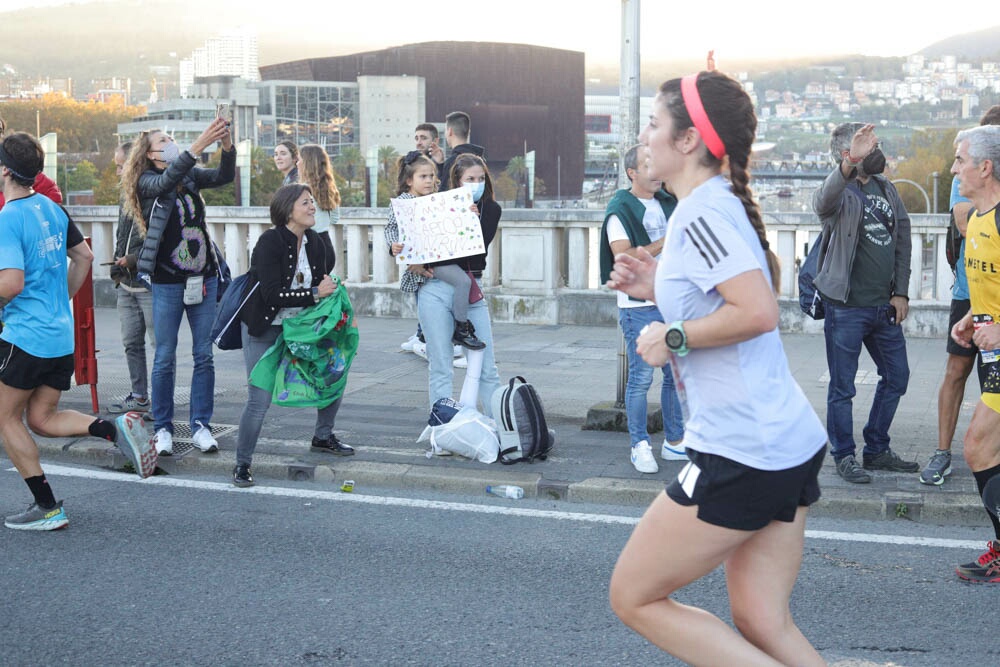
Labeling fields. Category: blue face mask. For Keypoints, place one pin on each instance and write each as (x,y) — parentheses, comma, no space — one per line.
(477,190)
(170,152)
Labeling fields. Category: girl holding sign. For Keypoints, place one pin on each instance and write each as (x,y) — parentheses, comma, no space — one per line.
(416,180)
(436,305)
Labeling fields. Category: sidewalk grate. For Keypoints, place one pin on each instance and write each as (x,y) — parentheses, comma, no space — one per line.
(183,444)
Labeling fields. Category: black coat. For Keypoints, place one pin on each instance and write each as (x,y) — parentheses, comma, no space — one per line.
(273,264)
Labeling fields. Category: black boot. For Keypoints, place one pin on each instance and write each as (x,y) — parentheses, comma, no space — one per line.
(465,335)
(331,445)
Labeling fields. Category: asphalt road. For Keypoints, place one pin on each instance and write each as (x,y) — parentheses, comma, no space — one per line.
(190,571)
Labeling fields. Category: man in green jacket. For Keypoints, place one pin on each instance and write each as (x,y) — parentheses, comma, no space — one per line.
(636,218)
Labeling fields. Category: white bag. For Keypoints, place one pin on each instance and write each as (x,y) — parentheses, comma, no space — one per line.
(469,433)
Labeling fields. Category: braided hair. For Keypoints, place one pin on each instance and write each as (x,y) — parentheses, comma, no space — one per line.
(731,113)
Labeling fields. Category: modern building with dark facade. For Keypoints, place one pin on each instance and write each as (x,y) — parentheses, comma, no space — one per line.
(520,97)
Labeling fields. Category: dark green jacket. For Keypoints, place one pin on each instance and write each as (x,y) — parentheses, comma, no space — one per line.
(627,207)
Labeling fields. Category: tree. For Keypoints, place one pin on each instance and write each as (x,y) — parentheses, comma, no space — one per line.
(517,171)
(929,151)
(81,176)
(265,177)
(108,191)
(82,127)
(351,165)
(387,161)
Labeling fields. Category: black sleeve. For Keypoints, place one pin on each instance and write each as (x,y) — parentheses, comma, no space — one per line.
(74,236)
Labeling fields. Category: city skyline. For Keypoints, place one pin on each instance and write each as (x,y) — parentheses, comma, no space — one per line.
(766,29)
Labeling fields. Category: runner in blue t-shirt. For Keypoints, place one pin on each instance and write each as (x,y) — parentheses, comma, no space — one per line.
(36,345)
(755,443)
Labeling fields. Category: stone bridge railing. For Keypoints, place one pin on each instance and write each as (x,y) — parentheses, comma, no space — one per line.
(542,267)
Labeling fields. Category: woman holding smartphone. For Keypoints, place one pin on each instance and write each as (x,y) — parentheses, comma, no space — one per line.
(161,190)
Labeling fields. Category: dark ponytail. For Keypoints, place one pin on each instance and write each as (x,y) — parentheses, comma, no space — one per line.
(730,111)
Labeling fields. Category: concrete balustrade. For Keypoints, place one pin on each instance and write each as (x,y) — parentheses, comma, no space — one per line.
(542,266)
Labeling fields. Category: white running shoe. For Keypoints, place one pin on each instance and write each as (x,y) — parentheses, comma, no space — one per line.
(460,362)
(642,457)
(457,351)
(203,439)
(673,452)
(420,349)
(407,345)
(163,441)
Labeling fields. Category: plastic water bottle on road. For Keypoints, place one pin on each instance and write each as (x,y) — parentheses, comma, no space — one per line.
(506,491)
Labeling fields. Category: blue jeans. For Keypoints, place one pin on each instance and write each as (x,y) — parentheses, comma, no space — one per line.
(847,329)
(434,310)
(640,378)
(168,309)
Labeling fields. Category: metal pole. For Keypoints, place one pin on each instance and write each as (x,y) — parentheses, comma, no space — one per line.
(628,99)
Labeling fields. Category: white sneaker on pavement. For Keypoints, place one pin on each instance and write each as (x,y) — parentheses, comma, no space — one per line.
(164,442)
(673,452)
(460,362)
(642,457)
(420,349)
(407,345)
(203,439)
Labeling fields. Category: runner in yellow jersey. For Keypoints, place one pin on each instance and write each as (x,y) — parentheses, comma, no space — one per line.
(977,165)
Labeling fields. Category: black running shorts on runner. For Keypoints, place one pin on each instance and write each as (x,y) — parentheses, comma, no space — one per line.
(21,370)
(959,309)
(733,495)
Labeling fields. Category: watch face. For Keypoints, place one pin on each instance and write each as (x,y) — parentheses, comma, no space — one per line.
(675,339)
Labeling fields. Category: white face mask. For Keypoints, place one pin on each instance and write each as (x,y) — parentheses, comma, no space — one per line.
(170,152)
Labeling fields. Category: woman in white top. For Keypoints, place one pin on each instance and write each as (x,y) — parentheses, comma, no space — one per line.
(316,171)
(755,443)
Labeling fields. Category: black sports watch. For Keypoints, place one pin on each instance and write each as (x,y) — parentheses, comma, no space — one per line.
(676,339)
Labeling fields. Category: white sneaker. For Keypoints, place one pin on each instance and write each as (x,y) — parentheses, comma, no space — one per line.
(164,442)
(460,362)
(642,457)
(420,349)
(673,452)
(457,351)
(407,345)
(203,439)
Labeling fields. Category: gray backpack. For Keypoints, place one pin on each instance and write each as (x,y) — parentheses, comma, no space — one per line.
(520,420)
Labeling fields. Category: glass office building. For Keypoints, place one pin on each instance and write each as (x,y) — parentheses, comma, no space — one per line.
(324,113)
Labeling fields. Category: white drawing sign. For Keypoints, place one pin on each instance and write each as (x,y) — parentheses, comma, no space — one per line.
(437,227)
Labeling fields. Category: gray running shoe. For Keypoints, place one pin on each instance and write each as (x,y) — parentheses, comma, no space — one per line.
(130,403)
(937,468)
(849,469)
(889,460)
(35,518)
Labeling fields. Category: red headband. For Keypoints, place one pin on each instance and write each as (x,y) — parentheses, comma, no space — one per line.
(692,102)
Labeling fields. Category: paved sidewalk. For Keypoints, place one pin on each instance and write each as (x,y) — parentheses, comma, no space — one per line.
(573,368)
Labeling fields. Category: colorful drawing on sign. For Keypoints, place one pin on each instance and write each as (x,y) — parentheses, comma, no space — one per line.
(438,227)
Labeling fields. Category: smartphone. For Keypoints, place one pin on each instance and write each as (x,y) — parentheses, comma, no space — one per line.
(225,112)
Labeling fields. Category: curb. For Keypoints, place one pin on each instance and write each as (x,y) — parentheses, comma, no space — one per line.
(934,506)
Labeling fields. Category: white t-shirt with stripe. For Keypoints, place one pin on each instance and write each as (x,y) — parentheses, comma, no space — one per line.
(740,401)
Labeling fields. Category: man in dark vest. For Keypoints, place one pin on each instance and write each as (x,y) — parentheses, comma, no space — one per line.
(637,218)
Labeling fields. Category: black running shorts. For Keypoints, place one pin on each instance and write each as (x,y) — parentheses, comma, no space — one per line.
(733,495)
(959,309)
(21,370)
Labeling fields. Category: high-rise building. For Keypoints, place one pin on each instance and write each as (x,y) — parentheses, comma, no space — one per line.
(233,53)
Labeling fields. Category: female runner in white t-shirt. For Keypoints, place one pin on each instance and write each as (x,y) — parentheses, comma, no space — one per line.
(755,443)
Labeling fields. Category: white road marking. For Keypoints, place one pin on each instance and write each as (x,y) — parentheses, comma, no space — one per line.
(338,496)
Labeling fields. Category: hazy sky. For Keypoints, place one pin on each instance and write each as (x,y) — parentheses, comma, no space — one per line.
(671,30)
